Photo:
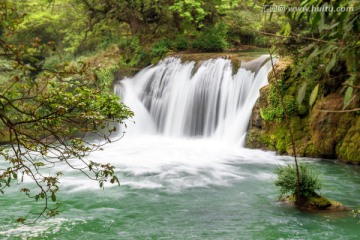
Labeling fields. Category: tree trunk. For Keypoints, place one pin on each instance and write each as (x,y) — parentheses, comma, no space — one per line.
(137,26)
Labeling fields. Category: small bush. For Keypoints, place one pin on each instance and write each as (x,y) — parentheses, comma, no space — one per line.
(106,75)
(212,39)
(287,183)
(160,48)
(131,52)
(181,43)
(52,61)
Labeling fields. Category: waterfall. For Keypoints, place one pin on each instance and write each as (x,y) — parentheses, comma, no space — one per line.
(185,99)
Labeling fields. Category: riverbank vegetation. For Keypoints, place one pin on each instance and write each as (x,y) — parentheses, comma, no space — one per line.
(320,84)
(305,197)
(46,115)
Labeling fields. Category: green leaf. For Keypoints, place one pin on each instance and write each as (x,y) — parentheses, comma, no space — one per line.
(315,20)
(331,63)
(314,95)
(301,94)
(286,30)
(348,95)
(53,197)
(313,54)
(21,220)
(39,164)
(321,24)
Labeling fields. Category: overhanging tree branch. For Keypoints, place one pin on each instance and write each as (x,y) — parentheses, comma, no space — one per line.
(297,201)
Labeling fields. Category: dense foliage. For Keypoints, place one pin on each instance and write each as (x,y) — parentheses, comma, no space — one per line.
(48,114)
(322,37)
(325,43)
(79,27)
(287,183)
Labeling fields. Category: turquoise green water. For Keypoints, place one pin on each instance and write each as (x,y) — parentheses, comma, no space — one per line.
(188,190)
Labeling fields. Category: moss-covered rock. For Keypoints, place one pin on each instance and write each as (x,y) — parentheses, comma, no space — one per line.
(283,70)
(4,135)
(257,139)
(349,150)
(315,202)
(323,131)
(325,128)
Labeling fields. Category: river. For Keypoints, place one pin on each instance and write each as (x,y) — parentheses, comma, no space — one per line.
(184,173)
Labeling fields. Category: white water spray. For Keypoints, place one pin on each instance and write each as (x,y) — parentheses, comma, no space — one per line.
(190,120)
(184,100)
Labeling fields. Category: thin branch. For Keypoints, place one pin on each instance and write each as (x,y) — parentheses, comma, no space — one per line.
(289,127)
(293,36)
(339,111)
(353,86)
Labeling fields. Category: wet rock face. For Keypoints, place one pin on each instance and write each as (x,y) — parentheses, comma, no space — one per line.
(318,132)
(335,134)
(348,150)
(325,127)
(256,120)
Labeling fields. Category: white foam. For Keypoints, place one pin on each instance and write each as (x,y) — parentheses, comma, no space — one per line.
(151,162)
(190,126)
(52,225)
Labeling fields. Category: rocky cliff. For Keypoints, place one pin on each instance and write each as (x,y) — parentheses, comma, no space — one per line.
(323,130)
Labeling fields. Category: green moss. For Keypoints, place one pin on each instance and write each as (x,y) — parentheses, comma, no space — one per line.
(303,109)
(256,139)
(328,129)
(281,139)
(292,90)
(290,198)
(272,109)
(310,150)
(317,133)
(4,136)
(316,202)
(281,146)
(319,202)
(296,127)
(290,105)
(268,114)
(348,150)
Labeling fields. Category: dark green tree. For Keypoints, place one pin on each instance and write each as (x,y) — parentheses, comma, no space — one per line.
(142,16)
(326,40)
(46,116)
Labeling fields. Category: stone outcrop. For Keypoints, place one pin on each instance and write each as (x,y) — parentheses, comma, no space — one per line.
(323,131)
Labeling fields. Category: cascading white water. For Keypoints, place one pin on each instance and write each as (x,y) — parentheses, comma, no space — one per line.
(181,99)
(181,188)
